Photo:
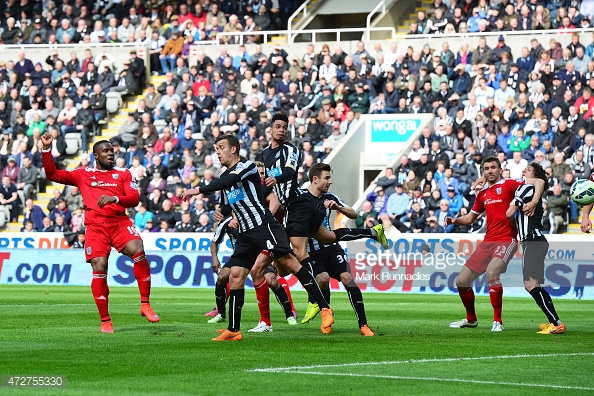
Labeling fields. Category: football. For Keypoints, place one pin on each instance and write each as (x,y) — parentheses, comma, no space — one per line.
(582,192)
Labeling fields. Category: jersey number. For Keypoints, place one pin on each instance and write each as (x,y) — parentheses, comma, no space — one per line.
(133,230)
(500,251)
(342,258)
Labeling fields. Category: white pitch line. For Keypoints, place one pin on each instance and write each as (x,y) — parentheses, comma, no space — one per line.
(436,360)
(443,380)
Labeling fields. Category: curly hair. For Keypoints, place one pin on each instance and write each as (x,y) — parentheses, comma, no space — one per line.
(539,173)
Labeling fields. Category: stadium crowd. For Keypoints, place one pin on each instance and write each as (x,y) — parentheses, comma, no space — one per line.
(520,107)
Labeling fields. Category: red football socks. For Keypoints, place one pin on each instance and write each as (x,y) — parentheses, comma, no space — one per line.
(142,273)
(283,282)
(467,297)
(496,295)
(101,293)
(263,298)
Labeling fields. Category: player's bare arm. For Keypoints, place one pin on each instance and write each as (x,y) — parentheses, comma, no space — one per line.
(190,192)
(273,203)
(345,210)
(511,214)
(467,219)
(214,251)
(479,183)
(586,222)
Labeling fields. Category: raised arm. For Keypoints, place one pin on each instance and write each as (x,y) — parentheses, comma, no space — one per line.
(51,172)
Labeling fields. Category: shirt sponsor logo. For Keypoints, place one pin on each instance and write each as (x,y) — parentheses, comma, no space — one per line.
(274,172)
(101,183)
(489,201)
(236,195)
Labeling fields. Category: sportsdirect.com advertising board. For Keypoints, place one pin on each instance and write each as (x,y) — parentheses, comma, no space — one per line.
(414,263)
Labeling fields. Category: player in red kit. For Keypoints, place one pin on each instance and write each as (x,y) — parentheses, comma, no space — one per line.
(493,254)
(107,191)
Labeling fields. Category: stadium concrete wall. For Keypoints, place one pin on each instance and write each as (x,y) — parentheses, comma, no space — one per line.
(514,41)
(118,52)
(183,260)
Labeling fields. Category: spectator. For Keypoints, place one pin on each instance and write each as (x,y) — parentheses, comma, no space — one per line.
(10,197)
(142,216)
(557,204)
(26,180)
(34,214)
(60,225)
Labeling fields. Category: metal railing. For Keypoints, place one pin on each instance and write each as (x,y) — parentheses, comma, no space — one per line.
(382,5)
(75,45)
(303,8)
(290,40)
(499,33)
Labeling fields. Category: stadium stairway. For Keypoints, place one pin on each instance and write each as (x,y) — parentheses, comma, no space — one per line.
(111,130)
(404,29)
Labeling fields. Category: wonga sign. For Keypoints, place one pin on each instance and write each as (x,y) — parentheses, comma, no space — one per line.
(383,129)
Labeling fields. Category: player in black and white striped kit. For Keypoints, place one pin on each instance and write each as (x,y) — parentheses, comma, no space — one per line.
(258,230)
(535,247)
(331,260)
(303,220)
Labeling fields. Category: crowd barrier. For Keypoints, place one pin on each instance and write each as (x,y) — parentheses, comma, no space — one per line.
(183,260)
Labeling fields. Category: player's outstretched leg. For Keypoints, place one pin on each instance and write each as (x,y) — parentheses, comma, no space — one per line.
(350,234)
(142,273)
(101,295)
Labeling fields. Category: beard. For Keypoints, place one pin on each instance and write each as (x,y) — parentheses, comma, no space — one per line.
(105,166)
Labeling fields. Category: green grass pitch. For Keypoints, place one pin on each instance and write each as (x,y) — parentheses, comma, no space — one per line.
(48,330)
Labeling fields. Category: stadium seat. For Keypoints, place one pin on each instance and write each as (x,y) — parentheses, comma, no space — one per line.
(114,102)
(73,143)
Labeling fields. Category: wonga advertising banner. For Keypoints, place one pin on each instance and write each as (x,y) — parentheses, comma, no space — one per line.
(183,260)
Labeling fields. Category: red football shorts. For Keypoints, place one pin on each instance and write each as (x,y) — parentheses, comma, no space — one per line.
(479,260)
(100,238)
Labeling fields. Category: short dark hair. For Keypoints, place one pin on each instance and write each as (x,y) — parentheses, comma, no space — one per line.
(99,143)
(317,169)
(492,159)
(280,117)
(231,140)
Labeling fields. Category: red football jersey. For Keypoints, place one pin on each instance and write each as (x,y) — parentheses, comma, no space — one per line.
(93,183)
(495,200)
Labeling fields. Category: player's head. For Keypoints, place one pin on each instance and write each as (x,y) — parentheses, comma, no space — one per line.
(227,148)
(261,169)
(492,169)
(320,175)
(279,127)
(535,171)
(104,155)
